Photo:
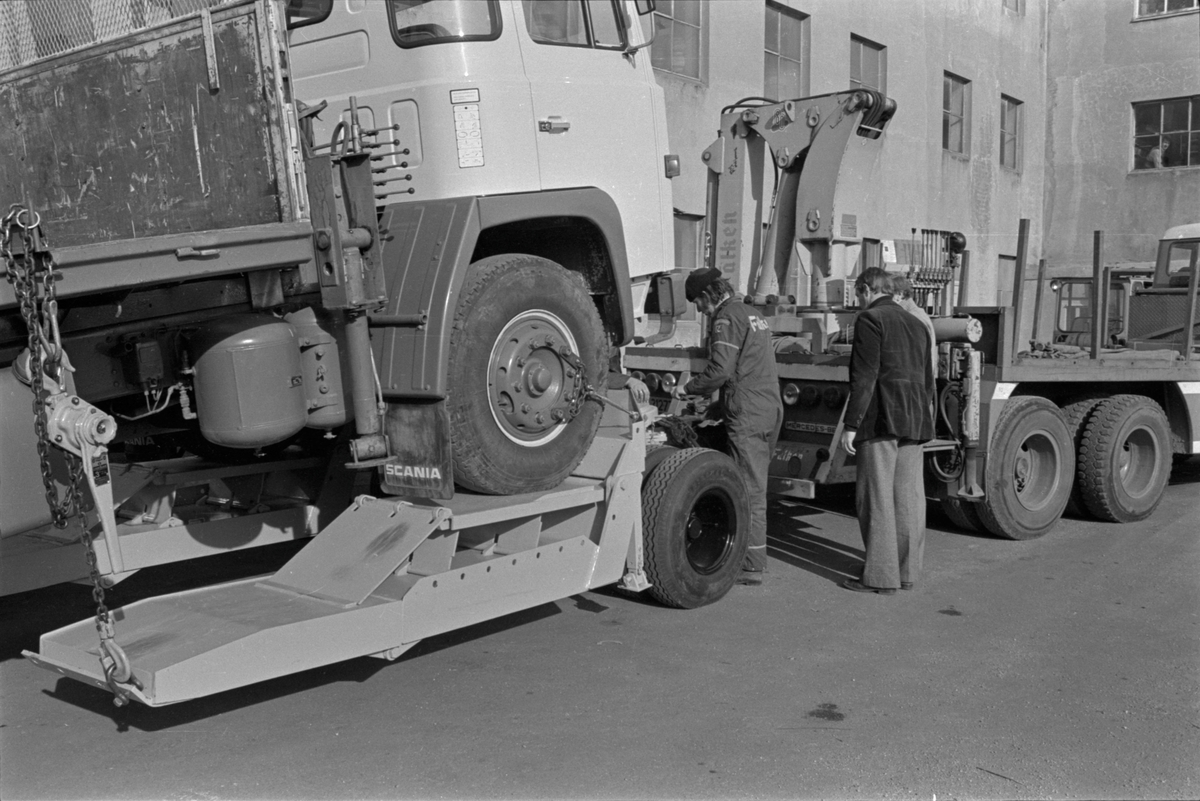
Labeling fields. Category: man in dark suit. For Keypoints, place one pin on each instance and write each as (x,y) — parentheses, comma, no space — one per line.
(888,416)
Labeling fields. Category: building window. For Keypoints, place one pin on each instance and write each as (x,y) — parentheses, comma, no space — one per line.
(1158,8)
(956,105)
(868,65)
(1166,133)
(678,37)
(785,60)
(1010,132)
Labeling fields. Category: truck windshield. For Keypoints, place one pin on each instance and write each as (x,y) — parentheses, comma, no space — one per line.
(416,23)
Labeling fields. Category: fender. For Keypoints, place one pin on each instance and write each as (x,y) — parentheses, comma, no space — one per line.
(427,248)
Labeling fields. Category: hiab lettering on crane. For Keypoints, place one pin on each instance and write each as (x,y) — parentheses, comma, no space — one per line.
(408,471)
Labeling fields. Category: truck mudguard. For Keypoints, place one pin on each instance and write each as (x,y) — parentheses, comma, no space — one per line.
(426,251)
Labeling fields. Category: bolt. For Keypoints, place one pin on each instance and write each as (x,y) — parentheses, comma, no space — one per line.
(520,362)
(74,401)
(524,408)
(558,415)
(541,418)
(706,156)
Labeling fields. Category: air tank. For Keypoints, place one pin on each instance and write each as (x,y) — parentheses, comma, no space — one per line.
(249,381)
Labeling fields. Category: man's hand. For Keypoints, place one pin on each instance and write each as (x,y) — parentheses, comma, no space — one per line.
(680,393)
(639,391)
(848,440)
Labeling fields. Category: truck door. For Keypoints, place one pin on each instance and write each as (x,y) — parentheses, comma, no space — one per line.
(596,116)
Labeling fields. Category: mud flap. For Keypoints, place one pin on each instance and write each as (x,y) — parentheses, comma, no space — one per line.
(419,441)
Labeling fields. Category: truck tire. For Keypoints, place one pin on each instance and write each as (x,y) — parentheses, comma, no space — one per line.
(655,455)
(696,524)
(963,514)
(518,417)
(1076,415)
(1030,469)
(1125,458)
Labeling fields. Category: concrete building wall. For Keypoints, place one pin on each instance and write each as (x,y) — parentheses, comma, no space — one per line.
(923,186)
(1102,61)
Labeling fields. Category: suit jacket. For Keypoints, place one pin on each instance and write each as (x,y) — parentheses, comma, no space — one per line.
(891,378)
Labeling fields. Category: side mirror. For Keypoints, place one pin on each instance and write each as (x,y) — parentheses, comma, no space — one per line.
(645,7)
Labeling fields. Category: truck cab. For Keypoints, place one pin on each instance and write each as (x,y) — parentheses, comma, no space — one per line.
(499,97)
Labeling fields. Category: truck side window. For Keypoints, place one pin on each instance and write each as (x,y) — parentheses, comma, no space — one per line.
(579,23)
(1181,260)
(307,12)
(416,23)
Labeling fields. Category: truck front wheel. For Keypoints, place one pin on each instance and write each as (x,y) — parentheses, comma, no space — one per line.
(696,524)
(1030,468)
(1125,458)
(518,415)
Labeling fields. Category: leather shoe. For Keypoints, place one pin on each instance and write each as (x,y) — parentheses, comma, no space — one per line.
(750,578)
(906,585)
(858,586)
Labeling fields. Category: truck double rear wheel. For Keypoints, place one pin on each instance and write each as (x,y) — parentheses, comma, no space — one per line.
(1030,469)
(1125,458)
(696,524)
(519,419)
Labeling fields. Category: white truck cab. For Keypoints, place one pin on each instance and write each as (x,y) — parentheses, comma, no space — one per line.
(499,97)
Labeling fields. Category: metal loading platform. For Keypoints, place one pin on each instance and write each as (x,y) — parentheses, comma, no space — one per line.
(381,577)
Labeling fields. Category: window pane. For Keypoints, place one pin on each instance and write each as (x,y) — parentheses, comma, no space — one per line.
(1180,5)
(1008,150)
(660,51)
(1194,151)
(1174,150)
(555,21)
(605,29)
(791,34)
(686,51)
(418,23)
(1146,118)
(771,35)
(688,11)
(1142,146)
(790,79)
(1147,7)
(1175,115)
(856,73)
(771,77)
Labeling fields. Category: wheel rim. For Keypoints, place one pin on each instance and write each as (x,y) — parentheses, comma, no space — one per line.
(1035,471)
(710,532)
(532,391)
(1137,461)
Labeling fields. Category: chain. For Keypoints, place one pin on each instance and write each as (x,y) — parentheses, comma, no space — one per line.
(33,275)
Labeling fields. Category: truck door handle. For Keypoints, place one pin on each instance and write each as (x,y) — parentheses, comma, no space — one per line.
(554,125)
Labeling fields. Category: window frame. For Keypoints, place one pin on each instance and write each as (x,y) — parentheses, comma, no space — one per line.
(1014,132)
(805,50)
(964,118)
(881,50)
(589,27)
(1185,140)
(493,12)
(702,43)
(1138,5)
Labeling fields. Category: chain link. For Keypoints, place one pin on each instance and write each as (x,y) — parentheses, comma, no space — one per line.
(33,276)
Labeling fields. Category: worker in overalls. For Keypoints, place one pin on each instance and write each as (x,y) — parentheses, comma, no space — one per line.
(741,364)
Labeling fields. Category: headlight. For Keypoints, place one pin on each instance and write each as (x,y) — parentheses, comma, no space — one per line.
(791,394)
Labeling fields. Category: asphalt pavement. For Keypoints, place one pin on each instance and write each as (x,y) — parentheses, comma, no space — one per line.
(1063,667)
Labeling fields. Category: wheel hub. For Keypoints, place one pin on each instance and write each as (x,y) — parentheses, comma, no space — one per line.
(532,388)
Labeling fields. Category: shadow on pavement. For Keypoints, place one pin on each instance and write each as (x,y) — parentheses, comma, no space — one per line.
(794,541)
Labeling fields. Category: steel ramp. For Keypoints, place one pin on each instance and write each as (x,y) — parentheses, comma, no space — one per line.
(383,576)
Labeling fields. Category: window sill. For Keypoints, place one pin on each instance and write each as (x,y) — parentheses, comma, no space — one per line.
(1161,170)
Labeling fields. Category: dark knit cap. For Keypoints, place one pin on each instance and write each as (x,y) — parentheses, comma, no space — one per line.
(698,281)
